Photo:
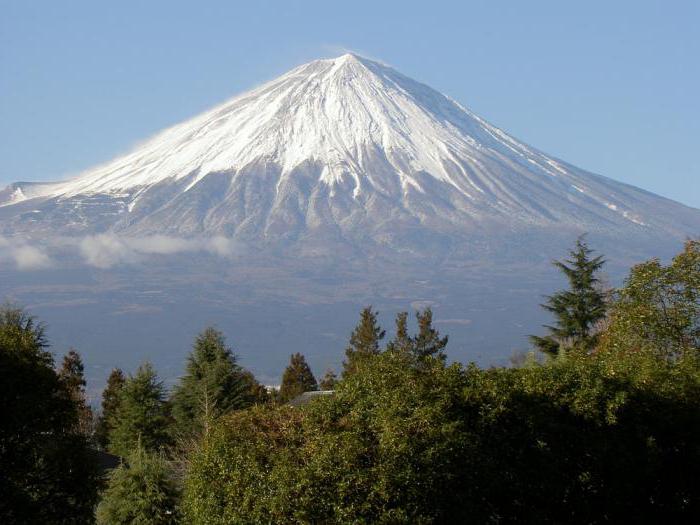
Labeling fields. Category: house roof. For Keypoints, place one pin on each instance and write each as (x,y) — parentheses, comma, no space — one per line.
(307,397)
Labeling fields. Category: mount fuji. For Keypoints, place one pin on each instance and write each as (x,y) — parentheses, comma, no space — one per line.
(341,182)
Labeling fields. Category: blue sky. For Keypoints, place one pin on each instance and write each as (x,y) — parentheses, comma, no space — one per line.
(612,87)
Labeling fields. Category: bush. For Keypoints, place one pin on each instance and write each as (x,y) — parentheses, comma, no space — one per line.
(583,439)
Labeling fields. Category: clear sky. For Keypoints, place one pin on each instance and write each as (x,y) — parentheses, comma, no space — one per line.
(610,86)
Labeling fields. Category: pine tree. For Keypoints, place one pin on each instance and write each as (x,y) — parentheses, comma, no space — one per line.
(578,309)
(329,380)
(140,490)
(213,384)
(141,415)
(428,342)
(72,376)
(297,378)
(110,403)
(402,342)
(364,340)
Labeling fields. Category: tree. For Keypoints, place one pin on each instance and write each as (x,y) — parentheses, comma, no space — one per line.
(256,392)
(329,380)
(658,307)
(213,384)
(297,378)
(47,473)
(364,340)
(597,437)
(110,403)
(578,309)
(72,375)
(141,416)
(140,490)
(402,342)
(428,342)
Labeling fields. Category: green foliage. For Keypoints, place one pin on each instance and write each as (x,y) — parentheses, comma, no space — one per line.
(659,306)
(402,342)
(213,384)
(47,474)
(583,439)
(428,342)
(364,341)
(329,380)
(72,376)
(110,404)
(140,491)
(578,309)
(297,378)
(141,416)
(244,470)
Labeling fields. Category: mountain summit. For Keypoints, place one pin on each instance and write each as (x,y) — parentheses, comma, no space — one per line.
(343,148)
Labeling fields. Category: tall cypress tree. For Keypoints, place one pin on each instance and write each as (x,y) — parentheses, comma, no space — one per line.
(428,342)
(110,403)
(213,384)
(578,309)
(364,340)
(141,416)
(297,378)
(72,376)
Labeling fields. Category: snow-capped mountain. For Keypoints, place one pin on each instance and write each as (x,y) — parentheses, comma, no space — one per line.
(348,184)
(344,148)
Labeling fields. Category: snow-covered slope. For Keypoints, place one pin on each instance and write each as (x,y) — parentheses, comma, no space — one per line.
(345,147)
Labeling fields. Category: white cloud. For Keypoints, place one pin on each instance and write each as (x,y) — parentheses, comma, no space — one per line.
(104,251)
(107,250)
(23,255)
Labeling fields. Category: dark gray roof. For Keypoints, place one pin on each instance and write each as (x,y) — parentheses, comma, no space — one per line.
(306,397)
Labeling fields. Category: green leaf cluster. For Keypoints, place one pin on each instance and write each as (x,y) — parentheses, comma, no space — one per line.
(659,307)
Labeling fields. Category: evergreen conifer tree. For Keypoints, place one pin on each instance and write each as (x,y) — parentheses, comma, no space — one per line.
(578,309)
(110,403)
(47,474)
(213,384)
(428,342)
(329,380)
(402,342)
(140,490)
(364,340)
(141,416)
(297,378)
(256,393)
(72,376)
